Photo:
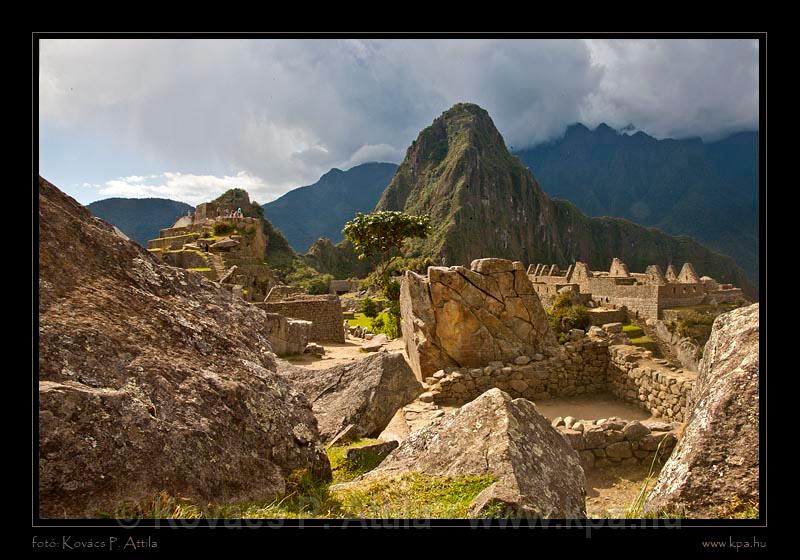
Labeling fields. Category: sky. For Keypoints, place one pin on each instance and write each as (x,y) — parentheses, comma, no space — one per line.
(188,119)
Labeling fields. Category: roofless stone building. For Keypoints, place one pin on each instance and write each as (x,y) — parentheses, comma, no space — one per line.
(645,293)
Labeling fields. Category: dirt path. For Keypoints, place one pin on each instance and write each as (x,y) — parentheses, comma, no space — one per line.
(340,353)
(592,407)
(611,491)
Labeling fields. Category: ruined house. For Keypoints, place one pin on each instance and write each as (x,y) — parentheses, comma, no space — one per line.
(646,293)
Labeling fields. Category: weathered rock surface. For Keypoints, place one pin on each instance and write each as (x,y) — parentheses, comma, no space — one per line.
(151,378)
(468,317)
(372,451)
(538,473)
(228,277)
(366,393)
(375,343)
(717,459)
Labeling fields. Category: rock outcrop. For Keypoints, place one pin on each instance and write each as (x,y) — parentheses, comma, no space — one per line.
(468,317)
(151,378)
(537,473)
(717,461)
(365,394)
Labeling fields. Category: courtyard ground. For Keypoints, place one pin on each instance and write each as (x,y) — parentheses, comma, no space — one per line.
(610,492)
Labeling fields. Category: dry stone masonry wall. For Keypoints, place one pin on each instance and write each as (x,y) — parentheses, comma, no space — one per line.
(606,442)
(324,311)
(579,369)
(644,294)
(634,377)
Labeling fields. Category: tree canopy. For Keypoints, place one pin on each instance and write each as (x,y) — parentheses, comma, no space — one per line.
(381,234)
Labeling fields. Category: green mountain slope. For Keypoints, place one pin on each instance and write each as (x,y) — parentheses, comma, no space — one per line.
(708,191)
(139,218)
(484,202)
(306,214)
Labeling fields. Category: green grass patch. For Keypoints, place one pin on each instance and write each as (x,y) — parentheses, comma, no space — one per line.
(360,320)
(200,269)
(632,330)
(645,342)
(409,496)
(344,470)
(414,496)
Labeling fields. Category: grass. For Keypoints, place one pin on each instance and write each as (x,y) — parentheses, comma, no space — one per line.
(415,496)
(739,508)
(636,509)
(411,496)
(344,470)
(360,320)
(633,331)
(200,269)
(645,342)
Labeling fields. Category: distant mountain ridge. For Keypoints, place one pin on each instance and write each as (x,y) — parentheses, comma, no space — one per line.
(139,218)
(706,190)
(484,202)
(306,214)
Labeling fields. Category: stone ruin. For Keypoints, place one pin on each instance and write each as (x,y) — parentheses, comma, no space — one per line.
(468,317)
(646,294)
(468,331)
(323,311)
(236,261)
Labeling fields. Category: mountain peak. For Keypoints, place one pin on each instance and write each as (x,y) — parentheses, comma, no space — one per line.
(234,196)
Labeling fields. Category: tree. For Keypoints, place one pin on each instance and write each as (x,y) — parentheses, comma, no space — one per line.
(381,235)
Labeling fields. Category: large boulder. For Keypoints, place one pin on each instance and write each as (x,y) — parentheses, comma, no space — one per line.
(537,473)
(716,462)
(152,379)
(365,394)
(468,317)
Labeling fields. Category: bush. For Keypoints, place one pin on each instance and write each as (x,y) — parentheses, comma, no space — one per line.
(309,279)
(369,308)
(222,228)
(565,316)
(392,291)
(386,323)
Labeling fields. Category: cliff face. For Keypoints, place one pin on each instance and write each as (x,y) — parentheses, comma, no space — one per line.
(484,202)
(152,378)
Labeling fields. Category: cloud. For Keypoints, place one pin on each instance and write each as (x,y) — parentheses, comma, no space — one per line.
(676,88)
(286,111)
(374,152)
(186,187)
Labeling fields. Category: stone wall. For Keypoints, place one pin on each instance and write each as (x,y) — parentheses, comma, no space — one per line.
(186,258)
(287,335)
(639,299)
(579,368)
(324,311)
(280,293)
(607,442)
(339,287)
(635,377)
(601,316)
(462,317)
(173,242)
